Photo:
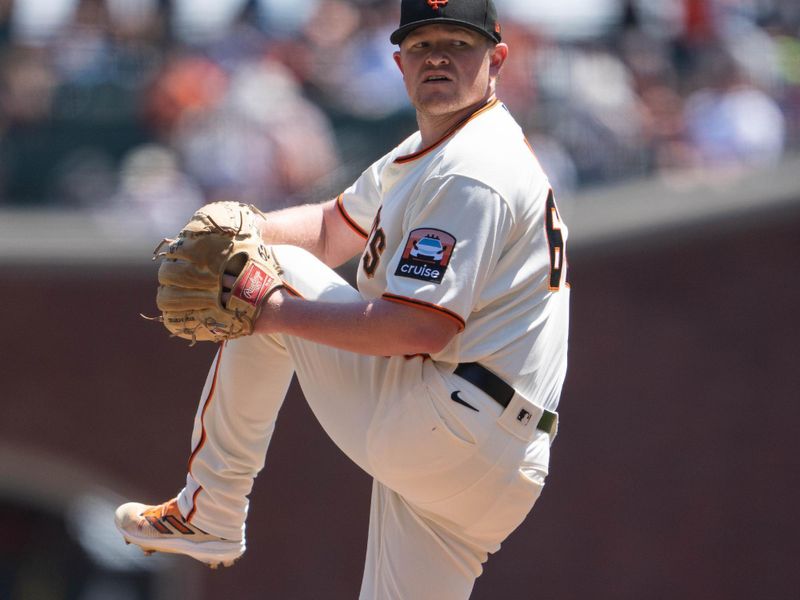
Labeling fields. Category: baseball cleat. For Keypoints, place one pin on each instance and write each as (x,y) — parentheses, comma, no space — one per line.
(163,528)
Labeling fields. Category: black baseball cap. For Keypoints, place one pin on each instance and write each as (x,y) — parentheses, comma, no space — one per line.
(478,15)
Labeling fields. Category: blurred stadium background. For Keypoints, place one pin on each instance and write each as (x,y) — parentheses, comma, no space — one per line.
(671,132)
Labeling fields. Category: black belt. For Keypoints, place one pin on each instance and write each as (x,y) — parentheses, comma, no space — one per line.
(484,379)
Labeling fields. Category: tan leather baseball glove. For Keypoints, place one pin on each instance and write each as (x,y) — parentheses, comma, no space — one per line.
(221,237)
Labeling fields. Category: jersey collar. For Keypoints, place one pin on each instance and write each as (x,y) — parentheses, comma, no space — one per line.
(491,103)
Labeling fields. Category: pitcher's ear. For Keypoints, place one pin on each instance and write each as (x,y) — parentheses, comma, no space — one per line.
(497,58)
(398,61)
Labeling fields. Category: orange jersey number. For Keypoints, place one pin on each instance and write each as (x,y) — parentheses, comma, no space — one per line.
(555,240)
(376,244)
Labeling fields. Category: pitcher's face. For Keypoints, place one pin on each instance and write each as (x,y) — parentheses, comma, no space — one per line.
(447,68)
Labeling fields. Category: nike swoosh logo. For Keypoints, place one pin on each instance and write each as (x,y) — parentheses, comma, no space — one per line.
(455,398)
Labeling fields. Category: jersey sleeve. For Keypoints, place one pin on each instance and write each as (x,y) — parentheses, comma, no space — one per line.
(454,235)
(359,202)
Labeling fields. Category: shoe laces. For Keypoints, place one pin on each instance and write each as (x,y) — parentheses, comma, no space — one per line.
(170,507)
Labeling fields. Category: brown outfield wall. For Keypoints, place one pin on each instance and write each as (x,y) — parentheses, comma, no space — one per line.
(674,474)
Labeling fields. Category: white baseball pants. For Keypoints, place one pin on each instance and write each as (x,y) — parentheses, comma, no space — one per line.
(450,483)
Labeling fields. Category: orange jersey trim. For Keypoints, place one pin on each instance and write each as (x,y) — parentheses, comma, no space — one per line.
(347,219)
(426,306)
(528,144)
(293,291)
(536,158)
(411,157)
(203,434)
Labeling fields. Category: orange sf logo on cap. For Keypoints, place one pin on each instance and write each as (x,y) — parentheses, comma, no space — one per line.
(436,4)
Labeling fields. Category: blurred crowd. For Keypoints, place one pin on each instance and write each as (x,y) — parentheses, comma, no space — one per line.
(155,107)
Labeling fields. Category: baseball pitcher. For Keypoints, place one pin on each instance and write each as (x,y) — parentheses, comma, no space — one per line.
(440,375)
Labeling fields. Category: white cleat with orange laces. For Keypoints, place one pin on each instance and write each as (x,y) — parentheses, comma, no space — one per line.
(163,528)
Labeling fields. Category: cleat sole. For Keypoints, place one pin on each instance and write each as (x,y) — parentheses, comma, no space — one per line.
(219,553)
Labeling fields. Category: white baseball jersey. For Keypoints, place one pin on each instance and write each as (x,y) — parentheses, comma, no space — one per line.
(469,227)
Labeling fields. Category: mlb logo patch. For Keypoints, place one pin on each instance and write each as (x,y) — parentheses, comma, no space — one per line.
(426,255)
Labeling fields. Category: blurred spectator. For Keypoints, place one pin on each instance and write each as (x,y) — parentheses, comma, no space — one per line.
(188,83)
(286,19)
(353,65)
(591,107)
(27,86)
(85,179)
(153,193)
(730,122)
(36,21)
(656,19)
(567,19)
(200,22)
(263,143)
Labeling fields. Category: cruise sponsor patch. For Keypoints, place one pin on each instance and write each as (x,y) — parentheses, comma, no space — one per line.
(426,255)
